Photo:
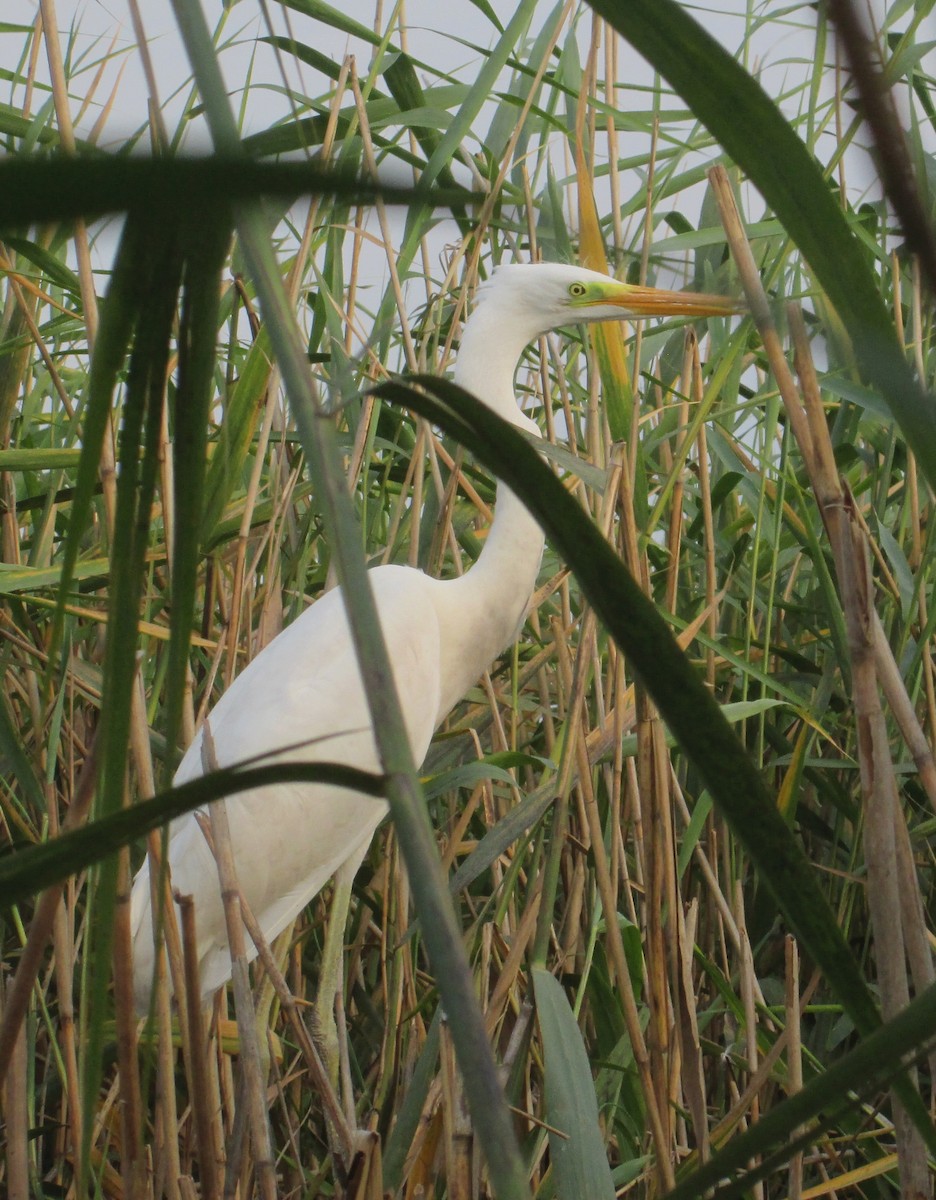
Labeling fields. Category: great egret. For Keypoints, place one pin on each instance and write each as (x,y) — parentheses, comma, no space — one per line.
(441,635)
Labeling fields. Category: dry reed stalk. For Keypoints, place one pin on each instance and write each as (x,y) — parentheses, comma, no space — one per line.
(616,783)
(200,1082)
(501,994)
(659,885)
(457,1134)
(409,502)
(26,302)
(82,248)
(656,848)
(132,1159)
(893,894)
(708,522)
(741,1107)
(692,1066)
(168,1165)
(748,984)
(14,1092)
(160,134)
(674,529)
(127,1058)
(611,75)
(63,949)
(107,107)
(370,162)
(646,242)
(239,585)
(168,951)
(709,874)
(793,1017)
(35,49)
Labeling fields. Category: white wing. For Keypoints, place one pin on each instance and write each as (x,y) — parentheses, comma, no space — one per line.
(290,839)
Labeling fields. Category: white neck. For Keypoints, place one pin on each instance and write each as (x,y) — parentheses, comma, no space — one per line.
(495,592)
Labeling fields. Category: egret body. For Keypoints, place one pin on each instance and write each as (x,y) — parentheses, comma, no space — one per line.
(305,688)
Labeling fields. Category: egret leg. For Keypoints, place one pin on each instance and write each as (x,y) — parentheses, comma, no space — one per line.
(331,975)
(267,997)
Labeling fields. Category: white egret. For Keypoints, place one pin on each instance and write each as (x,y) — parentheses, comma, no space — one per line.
(441,635)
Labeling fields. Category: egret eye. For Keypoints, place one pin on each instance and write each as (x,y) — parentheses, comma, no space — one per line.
(576,290)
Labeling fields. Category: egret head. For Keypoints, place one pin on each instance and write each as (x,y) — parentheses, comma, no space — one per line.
(547,295)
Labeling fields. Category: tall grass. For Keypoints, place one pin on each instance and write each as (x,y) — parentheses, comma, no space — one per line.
(679,955)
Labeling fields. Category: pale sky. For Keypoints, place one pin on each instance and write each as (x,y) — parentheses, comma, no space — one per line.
(100,31)
(90,26)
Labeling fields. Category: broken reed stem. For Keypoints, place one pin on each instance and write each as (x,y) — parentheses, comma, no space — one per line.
(880,805)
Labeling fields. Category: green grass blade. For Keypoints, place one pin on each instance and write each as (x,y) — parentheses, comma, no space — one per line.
(15,762)
(39,190)
(206,251)
(577,1150)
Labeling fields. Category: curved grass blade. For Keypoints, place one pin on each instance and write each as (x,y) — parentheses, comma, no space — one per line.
(26,872)
(576,1150)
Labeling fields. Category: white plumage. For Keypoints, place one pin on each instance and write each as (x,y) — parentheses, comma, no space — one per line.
(305,686)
